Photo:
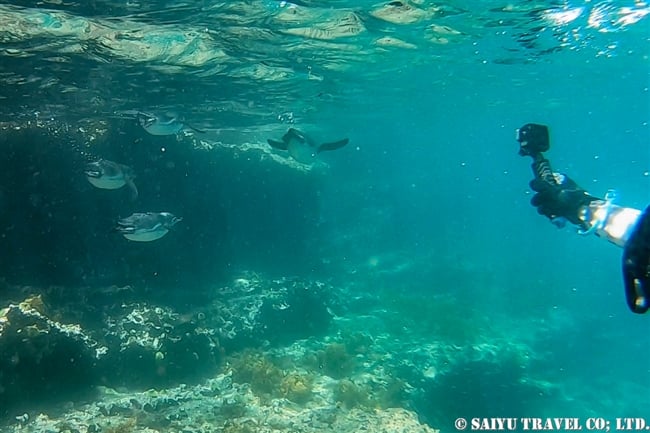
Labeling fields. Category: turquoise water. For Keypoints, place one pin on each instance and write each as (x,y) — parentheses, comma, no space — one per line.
(428,200)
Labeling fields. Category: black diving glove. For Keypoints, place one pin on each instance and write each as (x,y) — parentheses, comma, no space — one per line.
(557,196)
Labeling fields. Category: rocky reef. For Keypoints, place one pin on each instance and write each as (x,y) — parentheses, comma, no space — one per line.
(51,341)
(263,355)
(41,359)
(218,405)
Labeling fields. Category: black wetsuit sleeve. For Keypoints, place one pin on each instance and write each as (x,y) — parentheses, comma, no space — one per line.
(636,265)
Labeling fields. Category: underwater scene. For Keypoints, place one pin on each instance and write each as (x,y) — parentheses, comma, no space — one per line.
(263,216)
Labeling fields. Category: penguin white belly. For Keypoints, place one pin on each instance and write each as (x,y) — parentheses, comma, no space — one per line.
(159,128)
(301,152)
(146,236)
(107,183)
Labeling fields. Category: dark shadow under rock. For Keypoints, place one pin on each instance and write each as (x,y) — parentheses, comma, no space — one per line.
(253,311)
(43,361)
(483,389)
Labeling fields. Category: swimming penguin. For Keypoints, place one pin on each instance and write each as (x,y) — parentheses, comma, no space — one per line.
(107,174)
(146,227)
(159,124)
(303,148)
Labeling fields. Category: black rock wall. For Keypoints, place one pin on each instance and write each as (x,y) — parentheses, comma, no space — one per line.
(56,228)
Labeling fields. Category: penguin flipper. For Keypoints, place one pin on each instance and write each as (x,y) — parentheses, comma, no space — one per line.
(194,128)
(132,189)
(277,144)
(332,146)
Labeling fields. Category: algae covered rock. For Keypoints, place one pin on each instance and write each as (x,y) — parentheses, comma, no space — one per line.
(43,360)
(253,311)
(216,406)
(56,343)
(297,387)
(155,346)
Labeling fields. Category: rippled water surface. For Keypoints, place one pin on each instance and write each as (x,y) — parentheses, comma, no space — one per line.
(245,63)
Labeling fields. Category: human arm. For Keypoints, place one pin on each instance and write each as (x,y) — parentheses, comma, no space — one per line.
(560,199)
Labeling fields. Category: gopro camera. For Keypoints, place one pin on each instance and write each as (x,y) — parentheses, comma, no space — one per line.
(533,139)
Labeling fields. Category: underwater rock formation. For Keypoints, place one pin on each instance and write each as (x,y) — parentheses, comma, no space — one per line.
(157,346)
(253,311)
(218,405)
(337,374)
(41,359)
(106,337)
(60,230)
(482,387)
